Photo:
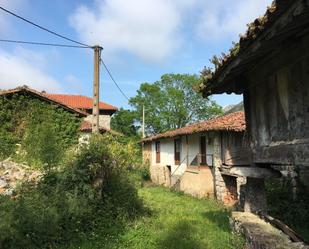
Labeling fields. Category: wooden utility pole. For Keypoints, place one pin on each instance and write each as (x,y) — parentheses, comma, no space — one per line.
(143,126)
(96,89)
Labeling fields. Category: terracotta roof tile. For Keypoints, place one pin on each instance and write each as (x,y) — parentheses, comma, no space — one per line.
(86,127)
(230,122)
(79,101)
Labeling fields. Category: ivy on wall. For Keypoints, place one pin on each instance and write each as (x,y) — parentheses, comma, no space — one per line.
(40,131)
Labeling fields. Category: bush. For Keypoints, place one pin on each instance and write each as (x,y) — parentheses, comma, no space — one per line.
(90,188)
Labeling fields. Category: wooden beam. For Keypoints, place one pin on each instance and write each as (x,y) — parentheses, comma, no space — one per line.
(238,156)
(284,228)
(289,154)
(253,172)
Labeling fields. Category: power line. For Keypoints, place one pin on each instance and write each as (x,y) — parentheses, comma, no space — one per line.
(45,29)
(114,81)
(42,43)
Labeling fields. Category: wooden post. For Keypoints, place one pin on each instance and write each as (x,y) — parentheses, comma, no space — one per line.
(143,125)
(96,89)
(187,150)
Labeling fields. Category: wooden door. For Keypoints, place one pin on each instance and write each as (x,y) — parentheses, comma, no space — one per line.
(202,159)
(158,159)
(177,144)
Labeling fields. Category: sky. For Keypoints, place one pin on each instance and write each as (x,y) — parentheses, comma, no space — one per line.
(142,40)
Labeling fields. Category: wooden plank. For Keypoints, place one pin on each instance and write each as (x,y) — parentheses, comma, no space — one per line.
(255,172)
(289,154)
(284,228)
(238,156)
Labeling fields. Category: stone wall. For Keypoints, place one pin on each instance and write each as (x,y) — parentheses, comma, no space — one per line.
(198,182)
(12,173)
(104,120)
(160,175)
(227,188)
(260,234)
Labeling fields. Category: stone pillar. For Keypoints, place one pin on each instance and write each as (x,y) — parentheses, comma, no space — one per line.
(219,183)
(255,196)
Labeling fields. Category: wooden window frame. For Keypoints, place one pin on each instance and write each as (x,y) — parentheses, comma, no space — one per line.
(177,154)
(158,151)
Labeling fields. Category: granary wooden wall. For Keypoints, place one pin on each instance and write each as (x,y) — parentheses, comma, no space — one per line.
(277,105)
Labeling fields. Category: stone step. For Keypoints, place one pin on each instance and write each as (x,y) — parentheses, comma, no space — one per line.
(260,234)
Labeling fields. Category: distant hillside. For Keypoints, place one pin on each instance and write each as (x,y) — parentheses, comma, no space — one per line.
(234,108)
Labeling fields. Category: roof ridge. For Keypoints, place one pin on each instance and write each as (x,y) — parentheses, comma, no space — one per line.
(225,124)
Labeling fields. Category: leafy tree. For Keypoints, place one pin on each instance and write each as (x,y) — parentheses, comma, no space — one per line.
(172,103)
(124,121)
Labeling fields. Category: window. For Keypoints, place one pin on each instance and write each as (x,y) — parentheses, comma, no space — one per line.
(158,152)
(177,144)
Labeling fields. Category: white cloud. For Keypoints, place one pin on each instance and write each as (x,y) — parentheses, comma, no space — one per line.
(227,19)
(16,70)
(155,29)
(5,18)
(149,29)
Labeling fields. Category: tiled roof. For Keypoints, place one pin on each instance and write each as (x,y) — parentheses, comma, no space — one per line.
(255,30)
(230,122)
(44,96)
(86,127)
(79,101)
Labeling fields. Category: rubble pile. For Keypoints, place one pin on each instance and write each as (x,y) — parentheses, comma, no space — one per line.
(12,174)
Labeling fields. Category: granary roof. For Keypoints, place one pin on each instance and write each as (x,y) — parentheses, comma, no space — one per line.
(234,122)
(80,102)
(263,35)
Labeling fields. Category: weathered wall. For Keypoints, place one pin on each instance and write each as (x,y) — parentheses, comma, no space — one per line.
(104,120)
(160,175)
(147,153)
(277,106)
(198,182)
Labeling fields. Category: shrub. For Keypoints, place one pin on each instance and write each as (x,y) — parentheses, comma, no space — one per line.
(91,188)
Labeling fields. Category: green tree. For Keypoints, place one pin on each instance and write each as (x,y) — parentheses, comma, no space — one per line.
(172,103)
(124,121)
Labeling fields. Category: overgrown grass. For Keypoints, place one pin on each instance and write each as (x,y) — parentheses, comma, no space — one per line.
(175,221)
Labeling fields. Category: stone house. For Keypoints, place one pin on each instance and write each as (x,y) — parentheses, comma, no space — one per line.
(190,158)
(76,104)
(270,67)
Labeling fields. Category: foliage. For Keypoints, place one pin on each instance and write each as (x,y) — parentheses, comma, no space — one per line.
(175,222)
(282,205)
(43,130)
(90,190)
(124,121)
(172,103)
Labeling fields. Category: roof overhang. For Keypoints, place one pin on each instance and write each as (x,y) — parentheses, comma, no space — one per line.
(287,23)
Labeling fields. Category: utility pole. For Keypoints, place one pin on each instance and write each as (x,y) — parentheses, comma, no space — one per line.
(143,126)
(96,89)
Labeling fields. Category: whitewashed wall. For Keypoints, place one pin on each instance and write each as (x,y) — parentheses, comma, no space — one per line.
(167,151)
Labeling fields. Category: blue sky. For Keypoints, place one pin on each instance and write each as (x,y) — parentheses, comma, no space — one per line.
(142,40)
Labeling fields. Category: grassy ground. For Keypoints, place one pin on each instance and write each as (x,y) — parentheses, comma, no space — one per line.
(175,221)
